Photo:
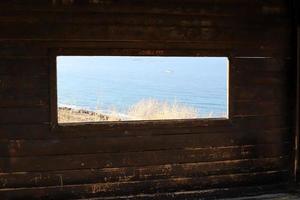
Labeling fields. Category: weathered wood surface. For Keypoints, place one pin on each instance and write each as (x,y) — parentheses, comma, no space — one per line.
(249,153)
(276,196)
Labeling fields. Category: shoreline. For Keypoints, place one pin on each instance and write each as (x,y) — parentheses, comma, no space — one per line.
(67,114)
(150,109)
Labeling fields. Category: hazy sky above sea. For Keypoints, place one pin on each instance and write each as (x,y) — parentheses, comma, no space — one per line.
(143,62)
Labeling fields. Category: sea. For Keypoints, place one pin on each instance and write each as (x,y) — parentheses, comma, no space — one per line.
(118,82)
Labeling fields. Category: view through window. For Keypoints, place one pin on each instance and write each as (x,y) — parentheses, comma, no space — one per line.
(122,88)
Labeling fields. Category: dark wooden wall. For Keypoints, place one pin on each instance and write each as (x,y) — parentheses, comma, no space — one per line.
(296,53)
(250,152)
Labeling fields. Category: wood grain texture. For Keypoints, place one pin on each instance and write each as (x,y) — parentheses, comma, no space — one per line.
(147,187)
(79,176)
(251,152)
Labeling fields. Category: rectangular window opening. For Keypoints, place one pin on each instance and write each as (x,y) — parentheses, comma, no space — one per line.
(126,88)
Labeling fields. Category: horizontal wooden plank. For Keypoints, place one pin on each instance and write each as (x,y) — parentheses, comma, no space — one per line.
(260,64)
(260,93)
(271,79)
(131,19)
(24,82)
(143,33)
(34,81)
(18,97)
(276,12)
(18,67)
(26,131)
(265,73)
(167,48)
(248,125)
(156,48)
(30,91)
(148,187)
(203,7)
(261,122)
(134,126)
(101,160)
(11,148)
(160,127)
(21,50)
(17,115)
(37,49)
(254,108)
(72,177)
(214,193)
(40,131)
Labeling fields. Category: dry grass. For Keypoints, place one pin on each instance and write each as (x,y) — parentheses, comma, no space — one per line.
(147,109)
(152,109)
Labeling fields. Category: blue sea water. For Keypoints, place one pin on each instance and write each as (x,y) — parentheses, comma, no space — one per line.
(105,82)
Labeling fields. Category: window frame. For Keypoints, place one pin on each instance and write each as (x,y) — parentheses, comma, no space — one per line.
(54,53)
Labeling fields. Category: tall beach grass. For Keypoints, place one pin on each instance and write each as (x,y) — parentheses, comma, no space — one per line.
(145,109)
